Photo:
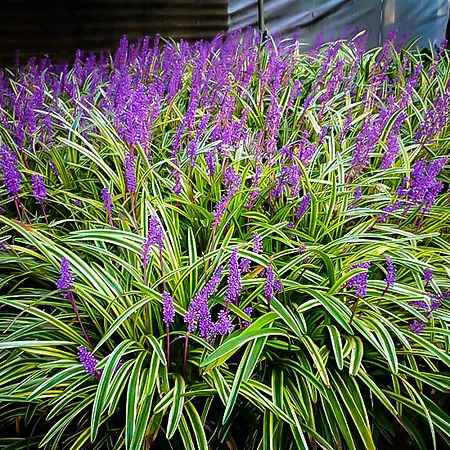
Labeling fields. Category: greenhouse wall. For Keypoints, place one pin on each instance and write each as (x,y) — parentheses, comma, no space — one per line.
(59,28)
(331,19)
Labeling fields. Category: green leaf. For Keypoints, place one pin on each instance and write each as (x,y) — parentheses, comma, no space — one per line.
(196,425)
(287,316)
(243,373)
(234,343)
(105,386)
(133,395)
(336,343)
(157,348)
(357,354)
(177,406)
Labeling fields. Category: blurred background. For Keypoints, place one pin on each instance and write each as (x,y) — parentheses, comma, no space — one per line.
(60,27)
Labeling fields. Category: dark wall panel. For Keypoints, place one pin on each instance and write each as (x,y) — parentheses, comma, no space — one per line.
(60,27)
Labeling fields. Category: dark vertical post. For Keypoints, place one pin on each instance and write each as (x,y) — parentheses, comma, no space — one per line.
(261,24)
(261,16)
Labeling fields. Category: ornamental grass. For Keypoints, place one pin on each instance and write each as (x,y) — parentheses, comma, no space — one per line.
(228,244)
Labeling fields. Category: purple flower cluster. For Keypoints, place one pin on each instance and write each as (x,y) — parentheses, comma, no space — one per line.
(224,325)
(427,276)
(429,307)
(66,280)
(168,308)
(303,207)
(88,361)
(130,173)
(38,185)
(360,280)
(234,279)
(417,327)
(198,313)
(391,274)
(269,288)
(10,171)
(436,117)
(392,144)
(422,188)
(248,310)
(233,183)
(107,200)
(155,236)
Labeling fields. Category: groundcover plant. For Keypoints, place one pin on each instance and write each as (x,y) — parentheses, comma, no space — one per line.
(228,244)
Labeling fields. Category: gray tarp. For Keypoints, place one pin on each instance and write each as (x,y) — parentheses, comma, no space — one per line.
(333,19)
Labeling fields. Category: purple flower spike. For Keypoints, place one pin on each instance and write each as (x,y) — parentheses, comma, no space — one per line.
(234,280)
(168,309)
(257,243)
(107,200)
(155,236)
(247,311)
(11,175)
(269,284)
(198,312)
(417,327)
(427,275)
(360,280)
(304,205)
(391,273)
(54,168)
(88,361)
(224,325)
(65,282)
(277,286)
(130,173)
(38,185)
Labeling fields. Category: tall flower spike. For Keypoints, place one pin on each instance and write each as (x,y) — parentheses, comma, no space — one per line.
(304,205)
(88,361)
(234,279)
(9,167)
(360,280)
(427,275)
(107,200)
(130,173)
(257,243)
(269,284)
(168,309)
(247,311)
(38,185)
(66,280)
(155,236)
(108,205)
(198,308)
(224,325)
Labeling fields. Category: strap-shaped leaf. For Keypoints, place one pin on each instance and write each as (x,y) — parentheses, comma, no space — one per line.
(336,343)
(57,379)
(357,354)
(233,344)
(243,373)
(105,385)
(288,317)
(196,425)
(133,395)
(177,406)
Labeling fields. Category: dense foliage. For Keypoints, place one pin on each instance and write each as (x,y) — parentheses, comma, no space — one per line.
(230,244)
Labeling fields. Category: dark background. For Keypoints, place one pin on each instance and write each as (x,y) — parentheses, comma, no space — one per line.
(60,27)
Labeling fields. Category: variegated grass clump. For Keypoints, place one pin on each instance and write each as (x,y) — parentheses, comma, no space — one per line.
(228,244)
